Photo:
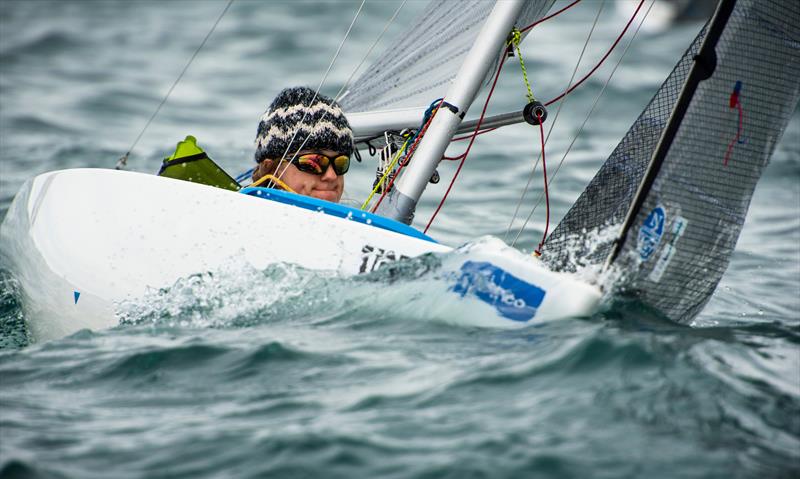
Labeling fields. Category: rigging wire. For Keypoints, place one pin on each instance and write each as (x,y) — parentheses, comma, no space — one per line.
(591,110)
(585,77)
(123,161)
(346,84)
(523,30)
(578,83)
(555,118)
(475,134)
(316,93)
(477,130)
(338,96)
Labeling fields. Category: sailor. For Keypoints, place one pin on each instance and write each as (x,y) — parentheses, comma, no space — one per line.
(304,144)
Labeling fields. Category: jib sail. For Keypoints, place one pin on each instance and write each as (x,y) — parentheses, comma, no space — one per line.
(682,221)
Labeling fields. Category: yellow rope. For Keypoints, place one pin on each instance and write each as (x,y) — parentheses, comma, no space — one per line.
(516,39)
(385,174)
(275,179)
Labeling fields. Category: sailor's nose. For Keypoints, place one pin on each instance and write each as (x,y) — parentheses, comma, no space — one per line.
(330,174)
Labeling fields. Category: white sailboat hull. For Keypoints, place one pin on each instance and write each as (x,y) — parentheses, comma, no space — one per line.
(81,241)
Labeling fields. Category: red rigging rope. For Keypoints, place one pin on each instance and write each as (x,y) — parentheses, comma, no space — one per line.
(588,115)
(408,156)
(523,30)
(538,250)
(616,42)
(478,131)
(463,156)
(585,77)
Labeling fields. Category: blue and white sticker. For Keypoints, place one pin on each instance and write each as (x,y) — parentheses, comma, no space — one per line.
(678,227)
(512,297)
(651,232)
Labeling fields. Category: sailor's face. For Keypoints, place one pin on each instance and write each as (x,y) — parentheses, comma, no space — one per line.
(328,186)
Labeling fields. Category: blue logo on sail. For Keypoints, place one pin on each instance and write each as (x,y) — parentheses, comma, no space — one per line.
(512,297)
(651,232)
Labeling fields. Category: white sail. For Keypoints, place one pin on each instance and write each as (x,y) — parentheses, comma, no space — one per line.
(419,65)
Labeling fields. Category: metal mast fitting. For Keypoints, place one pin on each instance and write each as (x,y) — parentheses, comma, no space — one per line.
(489,44)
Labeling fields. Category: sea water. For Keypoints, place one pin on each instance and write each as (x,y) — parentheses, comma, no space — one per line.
(290,373)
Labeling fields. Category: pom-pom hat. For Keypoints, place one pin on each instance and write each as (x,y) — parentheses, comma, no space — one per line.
(296,114)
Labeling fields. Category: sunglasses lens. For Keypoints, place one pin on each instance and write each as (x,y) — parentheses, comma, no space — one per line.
(318,164)
(314,164)
(341,164)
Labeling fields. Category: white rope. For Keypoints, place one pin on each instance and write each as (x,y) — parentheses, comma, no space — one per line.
(124,159)
(553,123)
(316,93)
(580,130)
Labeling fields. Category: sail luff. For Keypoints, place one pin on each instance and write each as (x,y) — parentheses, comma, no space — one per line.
(607,198)
(704,64)
(693,206)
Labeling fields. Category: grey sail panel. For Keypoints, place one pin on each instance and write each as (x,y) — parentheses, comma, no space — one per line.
(418,66)
(681,240)
(606,200)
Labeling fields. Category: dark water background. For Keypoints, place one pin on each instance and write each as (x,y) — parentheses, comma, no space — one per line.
(287,373)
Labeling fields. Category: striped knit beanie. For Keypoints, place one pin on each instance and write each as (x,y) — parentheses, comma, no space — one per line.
(296,113)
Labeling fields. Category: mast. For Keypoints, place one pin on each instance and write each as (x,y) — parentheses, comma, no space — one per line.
(402,200)
(704,65)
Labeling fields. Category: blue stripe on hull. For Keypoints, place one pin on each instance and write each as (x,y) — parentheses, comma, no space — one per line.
(335,209)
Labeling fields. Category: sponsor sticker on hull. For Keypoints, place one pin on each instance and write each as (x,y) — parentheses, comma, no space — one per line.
(512,297)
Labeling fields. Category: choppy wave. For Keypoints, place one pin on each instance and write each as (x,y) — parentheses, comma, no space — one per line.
(416,289)
(406,399)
